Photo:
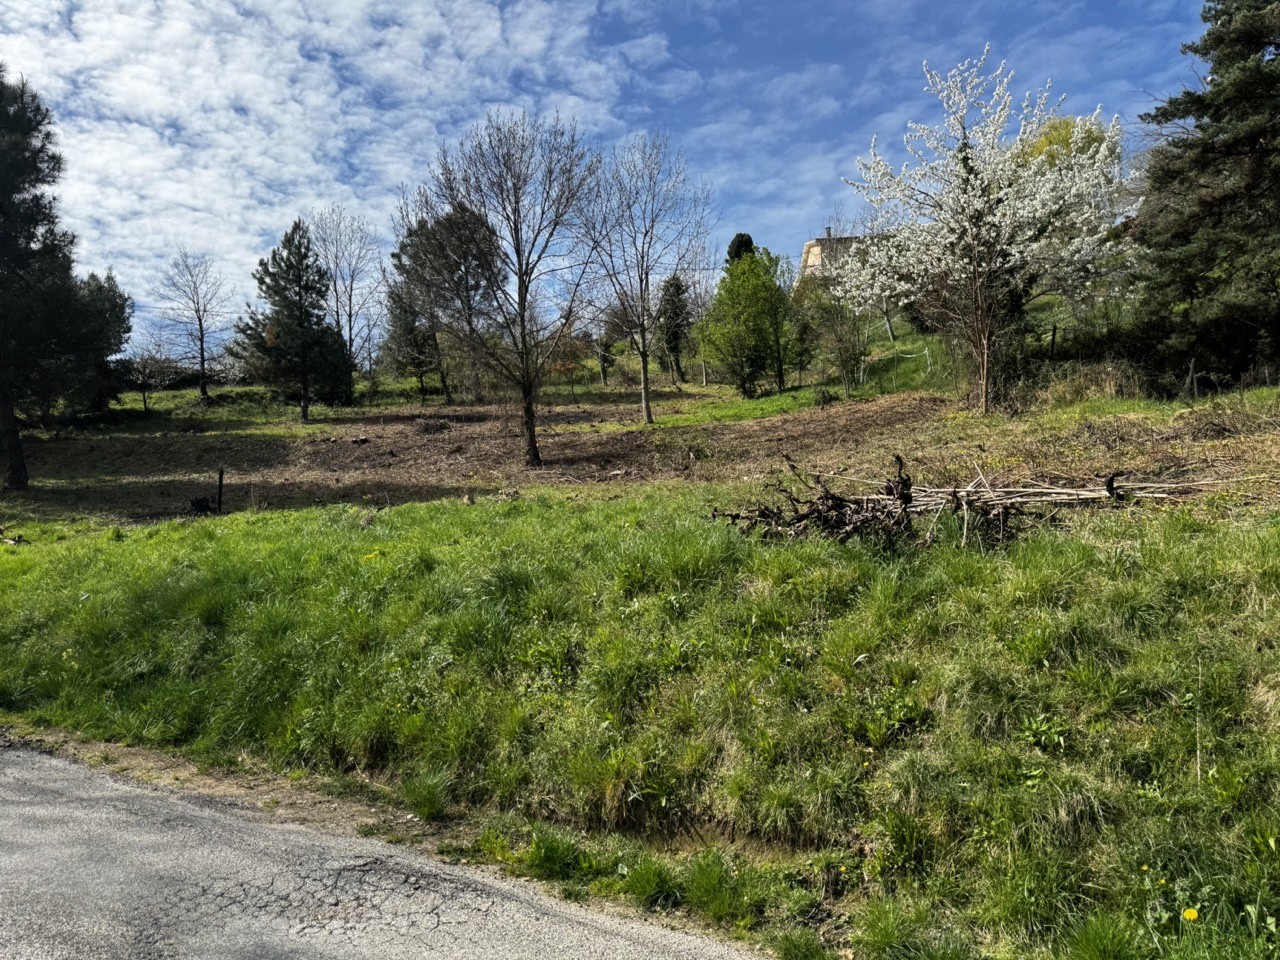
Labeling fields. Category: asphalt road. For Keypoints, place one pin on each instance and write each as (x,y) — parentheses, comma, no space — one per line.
(91,867)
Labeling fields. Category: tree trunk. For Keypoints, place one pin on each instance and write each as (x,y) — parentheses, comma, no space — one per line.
(704,373)
(11,447)
(646,410)
(604,374)
(445,388)
(350,398)
(204,373)
(1053,341)
(888,326)
(422,385)
(529,421)
(984,377)
(675,365)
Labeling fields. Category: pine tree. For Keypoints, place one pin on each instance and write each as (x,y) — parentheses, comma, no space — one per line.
(675,317)
(739,247)
(290,345)
(1211,218)
(56,332)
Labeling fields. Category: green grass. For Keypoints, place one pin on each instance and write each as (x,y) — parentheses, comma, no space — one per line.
(892,367)
(943,753)
(249,411)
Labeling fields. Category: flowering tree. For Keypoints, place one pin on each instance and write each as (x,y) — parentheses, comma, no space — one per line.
(987,213)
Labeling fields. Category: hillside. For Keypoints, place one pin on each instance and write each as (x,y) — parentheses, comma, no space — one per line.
(1061,746)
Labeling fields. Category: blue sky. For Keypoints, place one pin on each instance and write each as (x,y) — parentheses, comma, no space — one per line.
(213,123)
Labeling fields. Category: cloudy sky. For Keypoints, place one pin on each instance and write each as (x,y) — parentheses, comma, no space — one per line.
(213,123)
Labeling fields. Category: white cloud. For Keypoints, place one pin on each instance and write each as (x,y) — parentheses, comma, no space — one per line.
(214,125)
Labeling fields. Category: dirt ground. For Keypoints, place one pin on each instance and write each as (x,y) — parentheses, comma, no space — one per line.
(427,453)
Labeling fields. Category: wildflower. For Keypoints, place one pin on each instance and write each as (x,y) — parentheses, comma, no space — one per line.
(1162,881)
(1144,868)
(1191,914)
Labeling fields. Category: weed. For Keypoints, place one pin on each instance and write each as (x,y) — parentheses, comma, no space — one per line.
(554,855)
(652,883)
(800,945)
(428,793)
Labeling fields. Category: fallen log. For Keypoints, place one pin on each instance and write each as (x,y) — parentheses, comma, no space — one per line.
(886,512)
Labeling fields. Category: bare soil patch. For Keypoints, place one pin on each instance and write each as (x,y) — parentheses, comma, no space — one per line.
(428,453)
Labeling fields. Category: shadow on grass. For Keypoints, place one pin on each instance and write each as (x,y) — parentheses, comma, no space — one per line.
(163,499)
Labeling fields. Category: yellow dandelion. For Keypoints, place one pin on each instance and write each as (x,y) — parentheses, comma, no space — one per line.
(1144,868)
(1191,914)
(1162,881)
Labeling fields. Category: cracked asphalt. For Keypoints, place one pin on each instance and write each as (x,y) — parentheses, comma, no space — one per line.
(94,867)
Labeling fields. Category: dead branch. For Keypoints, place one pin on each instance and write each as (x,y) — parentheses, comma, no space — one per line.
(810,507)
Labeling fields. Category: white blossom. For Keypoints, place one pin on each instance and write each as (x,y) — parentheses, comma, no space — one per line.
(988,206)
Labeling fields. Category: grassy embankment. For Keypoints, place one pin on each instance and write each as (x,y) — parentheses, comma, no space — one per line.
(1065,747)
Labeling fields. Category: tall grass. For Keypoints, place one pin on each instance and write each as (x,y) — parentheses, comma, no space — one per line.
(1056,748)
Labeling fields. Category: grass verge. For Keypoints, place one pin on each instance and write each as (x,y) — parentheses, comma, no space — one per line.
(1061,748)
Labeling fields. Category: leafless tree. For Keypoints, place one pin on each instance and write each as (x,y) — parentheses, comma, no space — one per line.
(151,366)
(506,208)
(193,298)
(649,220)
(348,249)
(701,277)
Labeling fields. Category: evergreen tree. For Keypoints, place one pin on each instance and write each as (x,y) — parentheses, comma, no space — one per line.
(412,346)
(675,317)
(1211,219)
(56,332)
(740,246)
(448,282)
(290,345)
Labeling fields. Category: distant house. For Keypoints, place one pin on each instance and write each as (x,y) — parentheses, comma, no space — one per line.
(822,253)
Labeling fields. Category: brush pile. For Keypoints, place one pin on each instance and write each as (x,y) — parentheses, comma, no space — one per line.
(886,512)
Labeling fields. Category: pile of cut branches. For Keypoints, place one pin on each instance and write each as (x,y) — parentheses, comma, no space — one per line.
(808,506)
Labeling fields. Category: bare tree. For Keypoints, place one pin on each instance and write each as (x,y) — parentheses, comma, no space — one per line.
(649,220)
(505,209)
(193,298)
(348,249)
(150,366)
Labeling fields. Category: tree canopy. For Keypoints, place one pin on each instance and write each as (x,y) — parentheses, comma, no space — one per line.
(1210,221)
(750,329)
(522,182)
(981,220)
